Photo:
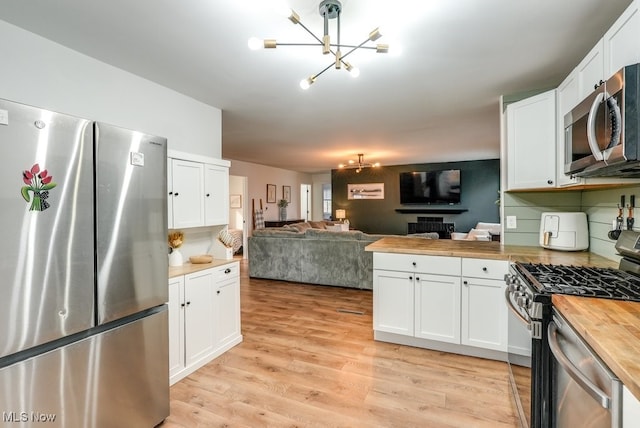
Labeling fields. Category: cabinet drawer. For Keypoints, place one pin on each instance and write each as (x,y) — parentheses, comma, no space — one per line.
(485,268)
(229,270)
(417,263)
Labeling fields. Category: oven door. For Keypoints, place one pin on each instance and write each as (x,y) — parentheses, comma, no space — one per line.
(519,356)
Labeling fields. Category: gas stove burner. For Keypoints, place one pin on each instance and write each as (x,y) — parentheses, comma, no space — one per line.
(582,281)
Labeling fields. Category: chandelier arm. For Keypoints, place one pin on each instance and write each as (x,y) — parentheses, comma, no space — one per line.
(298,44)
(310,32)
(325,69)
(361,45)
(318,44)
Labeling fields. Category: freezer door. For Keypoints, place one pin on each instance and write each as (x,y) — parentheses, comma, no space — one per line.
(46,256)
(131,221)
(118,378)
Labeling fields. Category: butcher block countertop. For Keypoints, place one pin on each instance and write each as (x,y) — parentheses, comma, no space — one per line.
(612,330)
(487,250)
(188,268)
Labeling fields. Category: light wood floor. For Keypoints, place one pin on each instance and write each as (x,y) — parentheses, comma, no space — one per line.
(305,364)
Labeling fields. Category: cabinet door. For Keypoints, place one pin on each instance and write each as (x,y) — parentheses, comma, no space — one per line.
(176,325)
(621,46)
(188,188)
(170,195)
(591,70)
(484,314)
(393,302)
(437,307)
(199,305)
(630,409)
(531,142)
(216,195)
(227,311)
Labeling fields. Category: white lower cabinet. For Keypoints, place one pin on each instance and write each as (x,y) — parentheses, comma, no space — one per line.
(204,317)
(630,409)
(393,302)
(434,299)
(437,307)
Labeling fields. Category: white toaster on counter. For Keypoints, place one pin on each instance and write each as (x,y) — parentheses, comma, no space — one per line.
(565,231)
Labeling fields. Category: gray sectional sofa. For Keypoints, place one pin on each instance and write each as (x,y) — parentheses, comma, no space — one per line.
(315,256)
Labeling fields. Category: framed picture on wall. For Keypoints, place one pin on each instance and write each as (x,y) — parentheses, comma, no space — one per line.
(286,193)
(235,201)
(271,193)
(365,191)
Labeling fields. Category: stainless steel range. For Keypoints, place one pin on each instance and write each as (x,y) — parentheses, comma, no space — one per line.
(528,295)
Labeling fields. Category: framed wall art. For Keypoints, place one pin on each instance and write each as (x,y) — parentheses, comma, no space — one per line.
(235,201)
(286,193)
(365,191)
(271,193)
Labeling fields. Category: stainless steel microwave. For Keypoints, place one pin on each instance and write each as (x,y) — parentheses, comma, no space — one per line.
(602,133)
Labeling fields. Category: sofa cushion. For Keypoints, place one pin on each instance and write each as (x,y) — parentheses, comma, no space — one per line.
(278,232)
(317,224)
(350,235)
(301,227)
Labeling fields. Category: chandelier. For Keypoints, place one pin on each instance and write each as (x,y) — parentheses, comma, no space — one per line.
(329,9)
(359,165)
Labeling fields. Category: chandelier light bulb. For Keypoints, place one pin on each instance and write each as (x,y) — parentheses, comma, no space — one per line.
(354,72)
(255,43)
(306,83)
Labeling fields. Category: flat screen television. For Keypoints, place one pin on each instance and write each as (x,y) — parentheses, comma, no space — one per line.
(430,187)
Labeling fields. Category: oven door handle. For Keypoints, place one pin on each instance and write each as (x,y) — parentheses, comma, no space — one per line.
(582,380)
(525,321)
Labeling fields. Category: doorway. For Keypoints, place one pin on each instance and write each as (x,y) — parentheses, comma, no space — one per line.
(305,201)
(239,211)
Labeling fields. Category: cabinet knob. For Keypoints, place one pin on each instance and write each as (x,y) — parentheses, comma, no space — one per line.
(175,194)
(182,305)
(208,195)
(227,270)
(417,278)
(414,264)
(484,269)
(465,282)
(171,193)
(549,182)
(188,303)
(218,292)
(411,278)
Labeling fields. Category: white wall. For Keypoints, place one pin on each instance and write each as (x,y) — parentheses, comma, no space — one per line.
(42,73)
(259,176)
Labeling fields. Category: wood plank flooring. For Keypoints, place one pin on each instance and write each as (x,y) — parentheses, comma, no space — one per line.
(303,363)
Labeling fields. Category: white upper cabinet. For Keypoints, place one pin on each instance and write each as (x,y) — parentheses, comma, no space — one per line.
(216,195)
(531,142)
(618,47)
(198,191)
(622,41)
(590,71)
(186,190)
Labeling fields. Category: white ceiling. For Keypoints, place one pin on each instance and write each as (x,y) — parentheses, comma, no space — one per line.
(436,101)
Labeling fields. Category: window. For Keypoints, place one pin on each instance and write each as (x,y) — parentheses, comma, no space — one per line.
(326,201)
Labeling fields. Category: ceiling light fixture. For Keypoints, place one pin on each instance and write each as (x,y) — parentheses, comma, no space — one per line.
(329,9)
(359,164)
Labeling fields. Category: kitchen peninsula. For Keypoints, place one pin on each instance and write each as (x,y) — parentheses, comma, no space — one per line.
(452,270)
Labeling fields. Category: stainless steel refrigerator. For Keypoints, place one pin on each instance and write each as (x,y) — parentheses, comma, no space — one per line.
(83,272)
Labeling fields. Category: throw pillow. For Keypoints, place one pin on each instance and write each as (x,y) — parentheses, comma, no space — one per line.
(226,238)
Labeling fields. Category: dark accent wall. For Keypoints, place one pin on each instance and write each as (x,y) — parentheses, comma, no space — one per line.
(480,182)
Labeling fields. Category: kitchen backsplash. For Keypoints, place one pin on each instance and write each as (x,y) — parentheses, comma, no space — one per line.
(600,206)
